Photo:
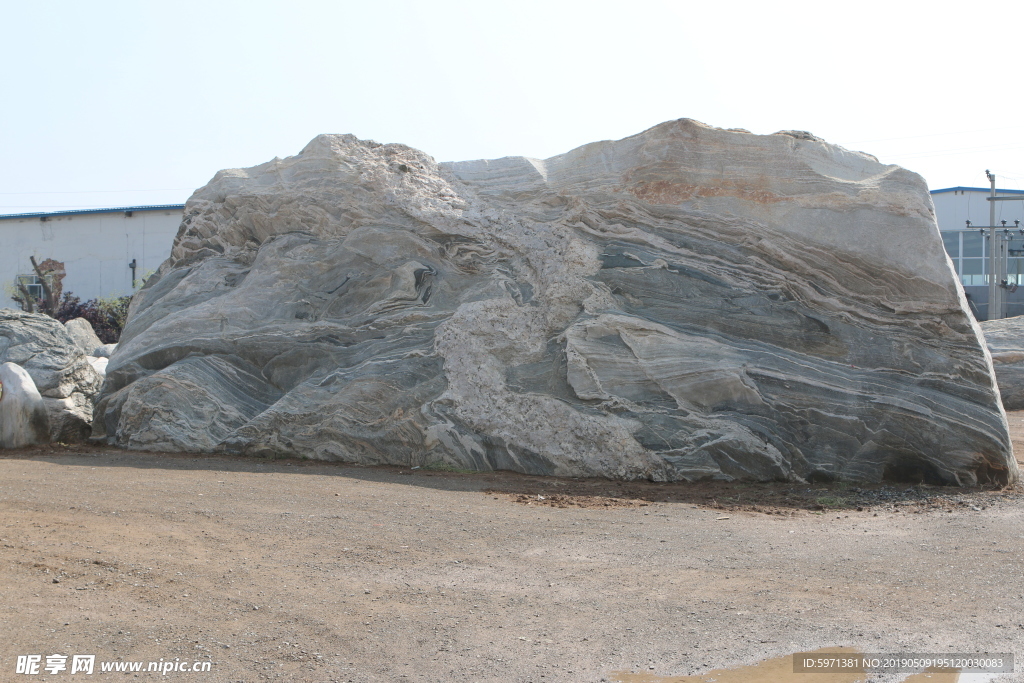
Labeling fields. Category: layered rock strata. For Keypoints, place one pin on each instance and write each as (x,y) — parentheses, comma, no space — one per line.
(58,368)
(1005,339)
(686,303)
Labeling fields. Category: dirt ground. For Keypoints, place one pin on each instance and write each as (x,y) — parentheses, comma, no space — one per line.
(298,571)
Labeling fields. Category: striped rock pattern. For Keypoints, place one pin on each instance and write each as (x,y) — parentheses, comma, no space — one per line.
(686,303)
(59,371)
(1005,339)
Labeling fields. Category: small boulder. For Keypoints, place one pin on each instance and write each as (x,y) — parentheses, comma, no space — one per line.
(103,351)
(83,334)
(1005,339)
(61,372)
(24,420)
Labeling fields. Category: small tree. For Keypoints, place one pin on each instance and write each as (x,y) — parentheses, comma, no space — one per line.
(107,316)
(50,274)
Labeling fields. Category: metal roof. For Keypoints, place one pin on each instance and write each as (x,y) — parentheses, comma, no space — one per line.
(986,190)
(77,212)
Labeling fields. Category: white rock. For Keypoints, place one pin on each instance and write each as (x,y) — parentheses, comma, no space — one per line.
(24,420)
(99,364)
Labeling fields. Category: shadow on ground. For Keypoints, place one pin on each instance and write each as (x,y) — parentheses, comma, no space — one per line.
(771,498)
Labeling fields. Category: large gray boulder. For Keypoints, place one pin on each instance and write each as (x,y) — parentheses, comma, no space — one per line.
(84,335)
(61,372)
(1005,340)
(24,420)
(685,303)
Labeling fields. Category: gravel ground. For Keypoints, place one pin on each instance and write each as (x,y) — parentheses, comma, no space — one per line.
(298,571)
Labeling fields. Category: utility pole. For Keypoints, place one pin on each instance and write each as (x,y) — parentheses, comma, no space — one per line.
(998,253)
(995,292)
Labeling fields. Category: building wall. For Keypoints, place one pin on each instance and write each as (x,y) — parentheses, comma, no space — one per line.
(95,247)
(956,205)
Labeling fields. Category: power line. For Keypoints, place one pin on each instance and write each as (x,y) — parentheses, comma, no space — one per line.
(934,135)
(1015,175)
(965,150)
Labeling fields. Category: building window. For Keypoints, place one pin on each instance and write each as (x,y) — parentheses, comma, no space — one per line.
(974,243)
(951,240)
(1014,270)
(969,251)
(972,272)
(32,284)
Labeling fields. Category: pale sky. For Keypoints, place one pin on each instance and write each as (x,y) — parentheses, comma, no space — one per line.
(133,103)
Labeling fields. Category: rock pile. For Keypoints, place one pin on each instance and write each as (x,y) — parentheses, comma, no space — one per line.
(57,367)
(689,302)
(96,352)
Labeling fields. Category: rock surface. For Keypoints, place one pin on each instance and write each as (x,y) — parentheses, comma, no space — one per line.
(99,364)
(84,335)
(686,303)
(24,420)
(1005,340)
(103,351)
(59,369)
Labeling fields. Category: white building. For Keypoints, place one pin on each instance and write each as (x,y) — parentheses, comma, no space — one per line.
(969,248)
(101,249)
